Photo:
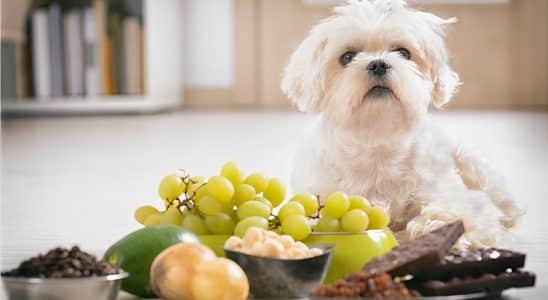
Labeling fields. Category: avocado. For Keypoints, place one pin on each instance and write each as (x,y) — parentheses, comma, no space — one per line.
(135,252)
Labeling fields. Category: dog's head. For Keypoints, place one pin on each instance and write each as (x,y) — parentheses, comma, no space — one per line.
(374,67)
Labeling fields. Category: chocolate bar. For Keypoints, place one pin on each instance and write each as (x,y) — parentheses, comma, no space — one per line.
(487,283)
(472,263)
(414,255)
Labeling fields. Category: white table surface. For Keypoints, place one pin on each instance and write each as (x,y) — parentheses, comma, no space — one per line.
(72,181)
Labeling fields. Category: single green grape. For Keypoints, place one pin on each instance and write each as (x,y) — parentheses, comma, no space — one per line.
(172,216)
(200,193)
(308,201)
(143,212)
(244,192)
(378,218)
(153,219)
(195,224)
(328,224)
(247,223)
(220,188)
(296,226)
(291,208)
(220,224)
(274,192)
(257,181)
(210,206)
(355,220)
(359,202)
(253,208)
(171,187)
(194,184)
(264,200)
(232,172)
(336,205)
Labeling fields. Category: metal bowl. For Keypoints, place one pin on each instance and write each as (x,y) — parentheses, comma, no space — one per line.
(271,278)
(88,288)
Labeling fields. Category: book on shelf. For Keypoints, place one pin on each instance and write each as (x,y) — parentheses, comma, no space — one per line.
(56,51)
(15,69)
(15,50)
(9,81)
(125,29)
(117,50)
(91,74)
(74,52)
(132,55)
(40,54)
(102,55)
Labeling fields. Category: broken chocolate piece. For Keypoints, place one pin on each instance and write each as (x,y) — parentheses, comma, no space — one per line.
(472,263)
(487,283)
(414,255)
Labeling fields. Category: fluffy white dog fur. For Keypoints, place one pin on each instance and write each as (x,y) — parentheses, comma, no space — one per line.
(380,142)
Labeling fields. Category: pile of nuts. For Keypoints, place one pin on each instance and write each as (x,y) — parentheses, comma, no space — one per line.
(366,284)
(260,242)
(63,263)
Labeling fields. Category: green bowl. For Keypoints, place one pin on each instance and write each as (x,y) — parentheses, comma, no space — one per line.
(215,243)
(352,250)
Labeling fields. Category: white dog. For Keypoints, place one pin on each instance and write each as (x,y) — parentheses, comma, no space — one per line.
(372,71)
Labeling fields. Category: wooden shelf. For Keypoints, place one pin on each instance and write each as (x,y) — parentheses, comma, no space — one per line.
(125,104)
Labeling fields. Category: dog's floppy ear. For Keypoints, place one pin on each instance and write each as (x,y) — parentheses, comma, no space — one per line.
(302,80)
(446,81)
(445,85)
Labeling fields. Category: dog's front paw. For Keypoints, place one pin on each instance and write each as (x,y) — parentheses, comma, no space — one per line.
(512,212)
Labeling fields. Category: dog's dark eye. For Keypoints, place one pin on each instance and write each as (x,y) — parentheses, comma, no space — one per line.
(404,53)
(347,57)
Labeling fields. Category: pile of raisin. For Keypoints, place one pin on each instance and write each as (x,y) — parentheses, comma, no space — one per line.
(63,263)
(369,284)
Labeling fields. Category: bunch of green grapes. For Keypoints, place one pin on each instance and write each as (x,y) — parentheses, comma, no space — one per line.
(228,203)
(231,203)
(350,214)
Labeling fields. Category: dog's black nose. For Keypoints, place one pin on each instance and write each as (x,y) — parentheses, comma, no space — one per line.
(378,67)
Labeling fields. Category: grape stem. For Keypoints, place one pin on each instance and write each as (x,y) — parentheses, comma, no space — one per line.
(274,222)
(320,206)
(188,200)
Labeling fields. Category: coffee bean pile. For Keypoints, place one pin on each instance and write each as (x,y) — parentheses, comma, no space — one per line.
(366,284)
(63,263)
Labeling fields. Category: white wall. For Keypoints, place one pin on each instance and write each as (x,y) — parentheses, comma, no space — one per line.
(209,43)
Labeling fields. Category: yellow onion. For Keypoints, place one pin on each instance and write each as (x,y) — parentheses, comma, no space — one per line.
(219,279)
(190,271)
(172,271)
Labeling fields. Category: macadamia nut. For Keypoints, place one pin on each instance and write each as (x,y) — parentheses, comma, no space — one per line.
(234,243)
(252,236)
(287,241)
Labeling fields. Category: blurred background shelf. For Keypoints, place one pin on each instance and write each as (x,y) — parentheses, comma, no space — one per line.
(130,49)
